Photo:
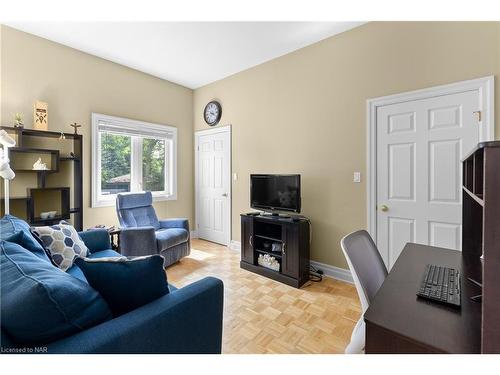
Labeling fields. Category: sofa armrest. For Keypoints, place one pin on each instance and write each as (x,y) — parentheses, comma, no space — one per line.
(175,223)
(138,241)
(96,239)
(187,320)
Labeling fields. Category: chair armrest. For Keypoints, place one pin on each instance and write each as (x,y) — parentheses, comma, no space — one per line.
(188,320)
(138,241)
(175,223)
(96,239)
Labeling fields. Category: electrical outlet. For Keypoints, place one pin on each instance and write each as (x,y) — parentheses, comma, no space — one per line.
(356,177)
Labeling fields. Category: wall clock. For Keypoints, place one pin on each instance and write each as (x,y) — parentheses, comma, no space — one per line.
(212,113)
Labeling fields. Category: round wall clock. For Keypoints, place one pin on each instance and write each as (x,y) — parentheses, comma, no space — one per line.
(212,113)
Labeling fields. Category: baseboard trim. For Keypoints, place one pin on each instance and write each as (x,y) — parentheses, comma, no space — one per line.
(235,245)
(193,234)
(329,271)
(334,272)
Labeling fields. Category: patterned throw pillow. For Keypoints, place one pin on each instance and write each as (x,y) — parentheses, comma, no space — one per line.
(63,243)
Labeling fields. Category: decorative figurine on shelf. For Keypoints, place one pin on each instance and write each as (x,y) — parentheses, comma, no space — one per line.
(39,165)
(18,120)
(76,126)
(62,137)
(41,116)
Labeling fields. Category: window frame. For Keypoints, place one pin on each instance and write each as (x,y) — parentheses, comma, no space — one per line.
(170,137)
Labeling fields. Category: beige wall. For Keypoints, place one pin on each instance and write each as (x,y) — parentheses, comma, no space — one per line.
(313,99)
(75,84)
(306,112)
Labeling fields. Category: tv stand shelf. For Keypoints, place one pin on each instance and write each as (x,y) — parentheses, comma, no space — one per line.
(276,255)
(260,232)
(268,238)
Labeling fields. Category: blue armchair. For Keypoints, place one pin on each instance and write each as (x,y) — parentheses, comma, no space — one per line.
(143,234)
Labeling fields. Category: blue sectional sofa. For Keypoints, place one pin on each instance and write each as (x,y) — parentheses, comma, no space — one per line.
(186,320)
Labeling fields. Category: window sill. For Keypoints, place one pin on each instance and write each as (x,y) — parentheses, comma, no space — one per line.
(112,202)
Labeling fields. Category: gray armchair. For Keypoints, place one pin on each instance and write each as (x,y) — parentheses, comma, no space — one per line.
(143,234)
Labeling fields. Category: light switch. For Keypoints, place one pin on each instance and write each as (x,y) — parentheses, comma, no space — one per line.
(356,177)
(235,176)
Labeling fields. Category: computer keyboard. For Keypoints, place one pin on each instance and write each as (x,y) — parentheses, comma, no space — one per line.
(441,284)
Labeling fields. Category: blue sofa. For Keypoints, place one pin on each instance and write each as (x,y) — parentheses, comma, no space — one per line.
(143,234)
(187,320)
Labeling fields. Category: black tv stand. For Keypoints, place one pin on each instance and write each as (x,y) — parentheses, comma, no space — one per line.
(284,238)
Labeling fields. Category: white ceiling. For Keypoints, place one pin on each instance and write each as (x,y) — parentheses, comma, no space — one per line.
(191,54)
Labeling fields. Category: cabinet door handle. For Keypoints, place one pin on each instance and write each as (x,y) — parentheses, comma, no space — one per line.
(283,249)
(250,240)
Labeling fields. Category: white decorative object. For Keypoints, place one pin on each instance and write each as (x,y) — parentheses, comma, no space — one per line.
(44,215)
(39,165)
(52,214)
(6,172)
(268,261)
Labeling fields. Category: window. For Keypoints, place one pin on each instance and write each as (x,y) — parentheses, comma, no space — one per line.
(132,156)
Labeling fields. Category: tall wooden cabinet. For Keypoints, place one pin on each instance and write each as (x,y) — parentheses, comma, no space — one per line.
(481,233)
(282,238)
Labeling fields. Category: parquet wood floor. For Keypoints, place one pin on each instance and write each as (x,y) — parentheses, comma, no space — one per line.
(265,316)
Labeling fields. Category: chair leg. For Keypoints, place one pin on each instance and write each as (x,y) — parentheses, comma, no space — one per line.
(357,344)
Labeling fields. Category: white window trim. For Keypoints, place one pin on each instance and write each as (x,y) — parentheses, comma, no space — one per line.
(98,200)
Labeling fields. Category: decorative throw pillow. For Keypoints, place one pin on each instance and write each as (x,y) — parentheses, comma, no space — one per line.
(63,243)
(40,303)
(26,241)
(11,226)
(126,283)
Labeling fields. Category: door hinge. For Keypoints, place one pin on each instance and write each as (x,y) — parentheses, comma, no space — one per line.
(479,115)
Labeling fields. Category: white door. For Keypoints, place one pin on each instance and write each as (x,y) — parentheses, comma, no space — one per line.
(213,184)
(419,147)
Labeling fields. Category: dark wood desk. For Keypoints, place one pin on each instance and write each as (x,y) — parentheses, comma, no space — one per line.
(399,322)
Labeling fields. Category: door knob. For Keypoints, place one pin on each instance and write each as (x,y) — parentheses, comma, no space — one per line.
(384,208)
(224,195)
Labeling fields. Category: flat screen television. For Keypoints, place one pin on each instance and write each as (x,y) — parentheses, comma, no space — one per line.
(274,192)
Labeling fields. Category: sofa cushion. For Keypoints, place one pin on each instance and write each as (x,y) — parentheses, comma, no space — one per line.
(167,238)
(126,283)
(96,239)
(40,303)
(10,225)
(63,243)
(75,271)
(104,254)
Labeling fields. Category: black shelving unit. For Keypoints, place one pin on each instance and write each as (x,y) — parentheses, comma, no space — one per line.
(481,234)
(56,158)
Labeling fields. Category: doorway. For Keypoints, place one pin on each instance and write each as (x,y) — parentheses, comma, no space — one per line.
(213,184)
(416,143)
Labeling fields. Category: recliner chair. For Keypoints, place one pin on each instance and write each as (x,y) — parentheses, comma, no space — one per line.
(143,234)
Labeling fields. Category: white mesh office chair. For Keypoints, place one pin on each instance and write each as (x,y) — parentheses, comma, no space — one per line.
(369,272)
